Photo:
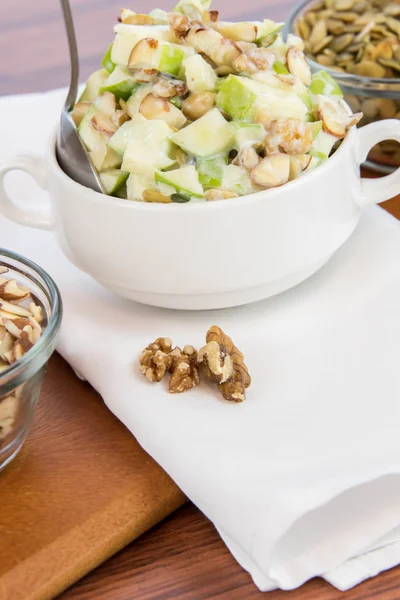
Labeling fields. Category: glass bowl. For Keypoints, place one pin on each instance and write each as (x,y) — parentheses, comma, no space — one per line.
(21,382)
(377,98)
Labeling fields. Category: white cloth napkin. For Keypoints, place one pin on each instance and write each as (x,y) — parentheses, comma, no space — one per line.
(303,478)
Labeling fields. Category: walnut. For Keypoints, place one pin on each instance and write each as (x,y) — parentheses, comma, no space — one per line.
(168,88)
(221,362)
(185,371)
(155,359)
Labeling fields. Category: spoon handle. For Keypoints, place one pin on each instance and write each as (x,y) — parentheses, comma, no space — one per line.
(73,54)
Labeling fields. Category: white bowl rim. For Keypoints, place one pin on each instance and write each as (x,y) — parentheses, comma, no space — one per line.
(215,204)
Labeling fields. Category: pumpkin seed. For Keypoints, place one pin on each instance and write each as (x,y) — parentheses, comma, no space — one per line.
(382,50)
(329,52)
(325,60)
(311,18)
(322,44)
(368,68)
(334,26)
(343,4)
(303,29)
(354,103)
(393,24)
(393,10)
(318,33)
(360,6)
(396,53)
(341,42)
(347,17)
(387,108)
(391,63)
(369,108)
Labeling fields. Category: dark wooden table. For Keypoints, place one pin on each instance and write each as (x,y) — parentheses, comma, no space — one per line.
(183,557)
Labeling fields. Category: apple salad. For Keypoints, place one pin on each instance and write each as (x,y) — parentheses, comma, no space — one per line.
(191,108)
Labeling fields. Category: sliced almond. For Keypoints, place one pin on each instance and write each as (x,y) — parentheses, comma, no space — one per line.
(143,53)
(219,194)
(12,292)
(14,309)
(155,196)
(6,344)
(304,160)
(298,65)
(152,107)
(3,270)
(15,326)
(103,124)
(26,338)
(79,111)
(239,32)
(272,171)
(36,312)
(295,168)
(138,19)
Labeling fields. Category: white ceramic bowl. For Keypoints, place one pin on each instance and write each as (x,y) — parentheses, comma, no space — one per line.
(212,254)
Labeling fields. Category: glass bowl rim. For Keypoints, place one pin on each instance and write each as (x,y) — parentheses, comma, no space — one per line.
(347,79)
(15,372)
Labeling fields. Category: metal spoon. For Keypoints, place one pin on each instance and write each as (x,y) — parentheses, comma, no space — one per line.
(72,155)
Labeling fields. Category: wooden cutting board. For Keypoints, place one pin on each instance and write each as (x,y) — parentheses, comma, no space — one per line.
(79,491)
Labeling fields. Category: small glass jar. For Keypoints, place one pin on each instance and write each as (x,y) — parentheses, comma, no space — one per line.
(21,382)
(377,98)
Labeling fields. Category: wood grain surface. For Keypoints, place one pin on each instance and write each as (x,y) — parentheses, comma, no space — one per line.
(183,557)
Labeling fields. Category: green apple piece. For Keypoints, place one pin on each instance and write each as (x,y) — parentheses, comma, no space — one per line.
(322,145)
(211,170)
(322,83)
(236,179)
(235,97)
(200,76)
(292,85)
(176,101)
(184,181)
(107,62)
(153,131)
(140,154)
(193,9)
(137,183)
(160,16)
(280,68)
(120,83)
(129,35)
(93,84)
(280,104)
(171,59)
(113,179)
(92,139)
(266,29)
(247,134)
(316,128)
(119,141)
(121,192)
(208,136)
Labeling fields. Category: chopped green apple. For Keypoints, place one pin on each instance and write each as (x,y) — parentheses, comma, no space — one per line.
(247,134)
(236,179)
(93,139)
(316,128)
(129,35)
(235,97)
(208,136)
(140,154)
(279,104)
(322,83)
(171,59)
(193,9)
(280,68)
(322,144)
(200,76)
(266,30)
(113,179)
(120,83)
(137,183)
(211,170)
(93,85)
(107,62)
(183,181)
(155,132)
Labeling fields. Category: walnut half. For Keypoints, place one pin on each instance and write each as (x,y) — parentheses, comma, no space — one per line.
(185,371)
(220,361)
(155,359)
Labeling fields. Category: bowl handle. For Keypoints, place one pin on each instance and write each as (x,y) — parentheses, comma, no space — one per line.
(377,190)
(35,166)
